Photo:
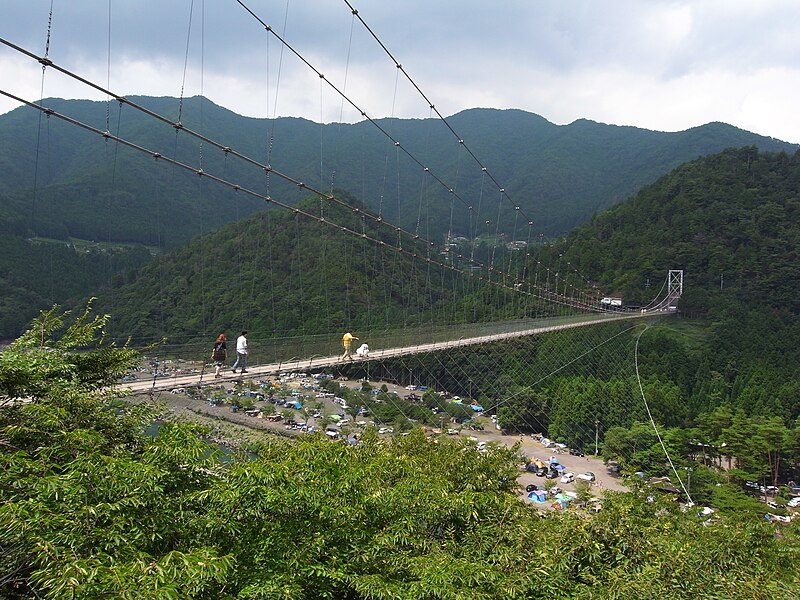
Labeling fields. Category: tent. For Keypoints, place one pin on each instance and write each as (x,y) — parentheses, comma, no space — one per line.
(563,499)
(538,496)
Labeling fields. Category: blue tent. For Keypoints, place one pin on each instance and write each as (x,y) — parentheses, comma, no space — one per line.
(538,496)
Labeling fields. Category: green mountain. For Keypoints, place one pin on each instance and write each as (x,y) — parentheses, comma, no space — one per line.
(729,220)
(89,188)
(77,210)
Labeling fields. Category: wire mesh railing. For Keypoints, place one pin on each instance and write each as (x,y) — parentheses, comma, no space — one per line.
(313,352)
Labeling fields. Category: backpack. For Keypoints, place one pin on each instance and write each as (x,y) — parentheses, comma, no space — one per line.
(219,353)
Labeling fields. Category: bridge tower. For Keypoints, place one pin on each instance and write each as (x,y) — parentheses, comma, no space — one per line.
(674,286)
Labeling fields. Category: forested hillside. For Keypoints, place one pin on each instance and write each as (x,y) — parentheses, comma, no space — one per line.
(281,274)
(730,221)
(36,274)
(60,182)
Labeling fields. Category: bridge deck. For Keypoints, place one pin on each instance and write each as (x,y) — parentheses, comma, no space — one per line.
(320,362)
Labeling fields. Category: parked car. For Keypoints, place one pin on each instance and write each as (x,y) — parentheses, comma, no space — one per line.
(541,471)
(576,452)
(531,487)
(568,478)
(552,474)
(588,476)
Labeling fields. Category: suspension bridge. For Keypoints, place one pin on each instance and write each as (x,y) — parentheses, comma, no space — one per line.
(566,299)
(427,340)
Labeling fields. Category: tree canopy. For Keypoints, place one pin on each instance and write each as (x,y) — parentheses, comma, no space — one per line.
(95,503)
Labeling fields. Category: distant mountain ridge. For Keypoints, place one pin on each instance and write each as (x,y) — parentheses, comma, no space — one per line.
(557,174)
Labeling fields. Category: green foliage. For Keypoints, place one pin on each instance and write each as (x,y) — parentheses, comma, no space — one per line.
(91,507)
(88,503)
(48,354)
(727,220)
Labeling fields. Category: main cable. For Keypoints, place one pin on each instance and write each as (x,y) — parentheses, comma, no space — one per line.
(178,126)
(201,173)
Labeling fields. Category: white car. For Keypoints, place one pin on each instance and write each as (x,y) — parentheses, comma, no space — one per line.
(588,476)
(794,502)
(567,478)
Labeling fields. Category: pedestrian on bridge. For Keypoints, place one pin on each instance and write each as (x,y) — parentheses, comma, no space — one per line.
(347,344)
(241,353)
(219,353)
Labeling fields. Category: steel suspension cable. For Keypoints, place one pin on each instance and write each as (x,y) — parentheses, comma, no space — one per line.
(178,126)
(398,65)
(432,106)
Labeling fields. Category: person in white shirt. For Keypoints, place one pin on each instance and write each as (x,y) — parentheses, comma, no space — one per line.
(241,353)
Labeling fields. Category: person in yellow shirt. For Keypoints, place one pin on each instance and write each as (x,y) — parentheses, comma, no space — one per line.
(347,343)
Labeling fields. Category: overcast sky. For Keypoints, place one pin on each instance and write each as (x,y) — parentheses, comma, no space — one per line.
(657,64)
